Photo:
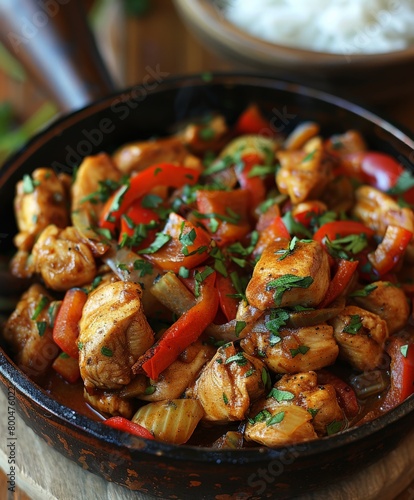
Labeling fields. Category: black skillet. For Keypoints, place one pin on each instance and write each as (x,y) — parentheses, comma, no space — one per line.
(137,113)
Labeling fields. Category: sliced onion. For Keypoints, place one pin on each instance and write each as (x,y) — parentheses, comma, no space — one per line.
(312,317)
(171,421)
(370,383)
(231,440)
(173,294)
(82,222)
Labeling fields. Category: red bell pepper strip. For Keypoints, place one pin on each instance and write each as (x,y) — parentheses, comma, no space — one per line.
(188,246)
(401,352)
(275,230)
(66,327)
(346,395)
(254,185)
(125,425)
(226,214)
(161,174)
(228,304)
(182,333)
(391,249)
(67,367)
(251,121)
(340,281)
(340,229)
(304,212)
(137,214)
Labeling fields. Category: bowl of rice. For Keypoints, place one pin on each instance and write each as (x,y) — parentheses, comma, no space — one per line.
(348,42)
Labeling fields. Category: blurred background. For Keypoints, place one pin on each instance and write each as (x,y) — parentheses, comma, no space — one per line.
(133,35)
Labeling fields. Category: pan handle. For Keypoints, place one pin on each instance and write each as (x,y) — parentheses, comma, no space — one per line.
(52,39)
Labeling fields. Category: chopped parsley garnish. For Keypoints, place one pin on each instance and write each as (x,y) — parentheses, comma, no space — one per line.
(295,227)
(102,194)
(29,184)
(151,201)
(207,134)
(161,239)
(116,203)
(276,419)
(262,170)
(286,283)
(274,200)
(342,247)
(250,372)
(268,418)
(237,358)
(63,355)
(150,390)
(404,182)
(278,318)
(239,286)
(280,395)
(225,399)
(302,349)
(313,411)
(52,313)
(80,346)
(39,307)
(219,165)
(107,352)
(364,292)
(183,272)
(265,378)
(199,277)
(219,261)
(41,327)
(144,267)
(334,427)
(354,325)
(309,156)
(240,325)
(404,350)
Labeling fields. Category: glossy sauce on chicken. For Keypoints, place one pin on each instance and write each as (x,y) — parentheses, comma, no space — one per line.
(220,287)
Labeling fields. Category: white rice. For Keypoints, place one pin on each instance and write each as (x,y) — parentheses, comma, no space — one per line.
(337,26)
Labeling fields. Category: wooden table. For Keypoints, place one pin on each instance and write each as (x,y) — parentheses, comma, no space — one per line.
(160,38)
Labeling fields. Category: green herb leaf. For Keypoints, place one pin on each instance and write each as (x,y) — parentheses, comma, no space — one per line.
(150,390)
(144,267)
(334,427)
(161,239)
(151,201)
(354,325)
(41,327)
(240,325)
(404,350)
(286,283)
(39,307)
(404,182)
(29,184)
(342,247)
(295,227)
(237,358)
(313,411)
(183,272)
(302,349)
(276,419)
(225,399)
(106,352)
(280,395)
(364,292)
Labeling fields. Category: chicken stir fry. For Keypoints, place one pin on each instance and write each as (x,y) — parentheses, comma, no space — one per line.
(221,278)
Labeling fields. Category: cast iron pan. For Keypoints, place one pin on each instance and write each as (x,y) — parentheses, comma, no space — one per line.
(187,472)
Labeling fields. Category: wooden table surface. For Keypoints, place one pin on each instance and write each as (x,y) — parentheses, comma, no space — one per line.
(160,38)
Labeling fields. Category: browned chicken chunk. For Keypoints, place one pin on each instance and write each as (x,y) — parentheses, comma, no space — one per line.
(303,174)
(113,333)
(28,332)
(292,350)
(389,302)
(361,337)
(40,200)
(228,384)
(96,178)
(137,156)
(296,410)
(285,278)
(109,403)
(62,259)
(175,379)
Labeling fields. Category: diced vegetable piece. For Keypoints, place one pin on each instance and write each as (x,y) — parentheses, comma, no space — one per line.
(391,249)
(67,367)
(66,328)
(340,281)
(162,174)
(170,421)
(344,392)
(251,121)
(401,351)
(125,425)
(186,245)
(183,332)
